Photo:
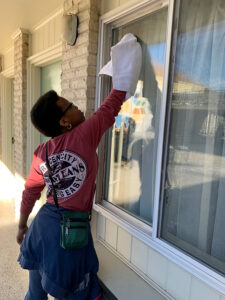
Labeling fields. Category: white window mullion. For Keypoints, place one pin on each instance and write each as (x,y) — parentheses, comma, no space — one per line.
(162,120)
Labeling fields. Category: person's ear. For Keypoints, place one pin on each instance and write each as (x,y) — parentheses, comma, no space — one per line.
(64,122)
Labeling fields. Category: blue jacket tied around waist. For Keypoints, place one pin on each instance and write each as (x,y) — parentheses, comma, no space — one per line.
(64,272)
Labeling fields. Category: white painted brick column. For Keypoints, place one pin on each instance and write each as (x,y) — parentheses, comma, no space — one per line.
(21,52)
(79,61)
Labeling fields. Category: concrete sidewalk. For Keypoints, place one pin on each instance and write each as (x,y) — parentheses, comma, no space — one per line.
(13,280)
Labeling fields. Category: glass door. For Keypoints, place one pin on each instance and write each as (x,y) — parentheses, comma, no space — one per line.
(50,80)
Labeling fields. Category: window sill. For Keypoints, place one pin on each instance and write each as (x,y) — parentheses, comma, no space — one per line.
(130,224)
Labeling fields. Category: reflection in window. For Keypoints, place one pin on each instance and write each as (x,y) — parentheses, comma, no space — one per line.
(50,79)
(194,206)
(133,150)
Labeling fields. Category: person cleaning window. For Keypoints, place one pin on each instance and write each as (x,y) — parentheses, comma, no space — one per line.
(57,248)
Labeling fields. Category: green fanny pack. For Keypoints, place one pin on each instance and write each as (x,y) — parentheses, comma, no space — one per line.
(74,224)
(74,230)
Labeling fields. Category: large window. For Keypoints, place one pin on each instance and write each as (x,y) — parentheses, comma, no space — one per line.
(166,151)
(194,197)
(134,137)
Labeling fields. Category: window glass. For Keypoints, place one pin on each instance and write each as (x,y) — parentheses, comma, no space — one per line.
(50,80)
(194,205)
(133,140)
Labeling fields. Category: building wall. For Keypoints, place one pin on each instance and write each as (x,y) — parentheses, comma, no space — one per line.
(79,61)
(149,263)
(47,34)
(21,52)
(109,5)
(8,58)
(78,70)
(78,80)
(44,37)
(7,71)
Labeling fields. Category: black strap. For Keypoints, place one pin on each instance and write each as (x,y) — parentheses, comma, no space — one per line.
(53,188)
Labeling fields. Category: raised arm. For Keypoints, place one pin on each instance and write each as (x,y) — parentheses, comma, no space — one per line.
(104,117)
(124,67)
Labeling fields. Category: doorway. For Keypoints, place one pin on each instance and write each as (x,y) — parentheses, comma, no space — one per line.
(50,80)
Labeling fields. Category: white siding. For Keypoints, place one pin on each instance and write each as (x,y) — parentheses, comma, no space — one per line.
(101,227)
(200,291)
(139,255)
(122,281)
(124,243)
(47,34)
(111,234)
(177,282)
(108,5)
(8,58)
(157,268)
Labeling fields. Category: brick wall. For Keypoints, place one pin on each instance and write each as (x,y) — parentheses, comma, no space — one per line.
(21,52)
(79,61)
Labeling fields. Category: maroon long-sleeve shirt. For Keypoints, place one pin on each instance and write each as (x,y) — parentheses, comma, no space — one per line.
(73,160)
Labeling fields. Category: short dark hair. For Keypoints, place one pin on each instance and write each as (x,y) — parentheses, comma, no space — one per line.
(45,114)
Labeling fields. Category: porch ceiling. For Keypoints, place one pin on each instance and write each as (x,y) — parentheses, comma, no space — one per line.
(15,14)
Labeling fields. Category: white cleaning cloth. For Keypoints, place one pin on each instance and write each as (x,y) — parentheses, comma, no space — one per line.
(125,64)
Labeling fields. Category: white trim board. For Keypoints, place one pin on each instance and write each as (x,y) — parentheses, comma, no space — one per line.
(18,32)
(156,201)
(48,18)
(8,73)
(46,56)
(130,7)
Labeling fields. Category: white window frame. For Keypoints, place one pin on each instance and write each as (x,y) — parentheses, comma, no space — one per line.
(138,229)
(107,22)
(34,63)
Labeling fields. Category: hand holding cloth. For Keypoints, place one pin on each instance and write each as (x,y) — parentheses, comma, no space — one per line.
(125,64)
